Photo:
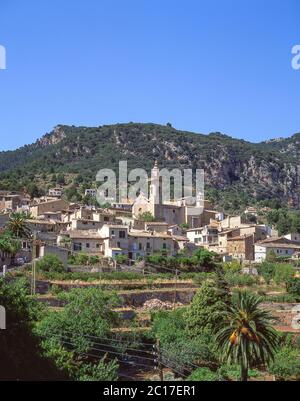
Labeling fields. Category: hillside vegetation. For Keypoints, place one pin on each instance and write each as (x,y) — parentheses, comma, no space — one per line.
(72,155)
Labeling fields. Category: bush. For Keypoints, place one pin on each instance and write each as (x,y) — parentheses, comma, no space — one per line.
(286,364)
(122,259)
(94,260)
(293,286)
(267,270)
(82,259)
(283,272)
(233,372)
(234,266)
(50,263)
(241,280)
(290,298)
(203,375)
(87,312)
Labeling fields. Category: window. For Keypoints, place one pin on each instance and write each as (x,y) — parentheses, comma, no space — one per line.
(148,245)
(87,245)
(106,218)
(164,246)
(77,246)
(112,232)
(140,246)
(121,234)
(97,245)
(118,244)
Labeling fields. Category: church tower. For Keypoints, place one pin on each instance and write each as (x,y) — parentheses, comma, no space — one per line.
(155,192)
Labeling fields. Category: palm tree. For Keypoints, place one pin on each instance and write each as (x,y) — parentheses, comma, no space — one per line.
(245,334)
(17,226)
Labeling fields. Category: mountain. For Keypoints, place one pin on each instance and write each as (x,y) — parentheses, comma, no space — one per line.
(264,170)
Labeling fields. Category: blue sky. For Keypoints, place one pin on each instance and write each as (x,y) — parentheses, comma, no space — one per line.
(218,65)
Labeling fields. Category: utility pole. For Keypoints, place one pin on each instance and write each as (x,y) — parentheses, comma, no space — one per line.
(35,254)
(33,277)
(159,362)
(175,291)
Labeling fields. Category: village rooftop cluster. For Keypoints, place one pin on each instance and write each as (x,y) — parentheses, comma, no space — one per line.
(62,228)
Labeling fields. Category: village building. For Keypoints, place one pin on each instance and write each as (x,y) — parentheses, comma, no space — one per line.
(241,247)
(40,225)
(40,209)
(56,192)
(174,213)
(11,201)
(279,247)
(115,239)
(223,237)
(293,237)
(175,230)
(85,224)
(234,222)
(87,241)
(146,243)
(203,236)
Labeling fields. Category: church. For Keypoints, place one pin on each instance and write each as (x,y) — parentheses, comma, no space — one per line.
(176,212)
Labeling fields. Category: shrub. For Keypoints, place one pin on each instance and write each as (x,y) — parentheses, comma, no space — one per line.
(283,272)
(233,372)
(122,258)
(82,259)
(94,260)
(286,364)
(241,280)
(233,266)
(290,298)
(203,375)
(50,263)
(267,270)
(293,286)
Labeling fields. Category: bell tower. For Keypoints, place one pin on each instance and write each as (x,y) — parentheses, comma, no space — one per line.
(155,192)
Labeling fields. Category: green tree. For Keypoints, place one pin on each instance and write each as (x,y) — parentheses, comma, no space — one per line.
(9,247)
(60,179)
(205,258)
(267,270)
(178,347)
(146,216)
(88,312)
(283,272)
(33,190)
(202,314)
(245,335)
(21,355)
(293,286)
(296,223)
(50,263)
